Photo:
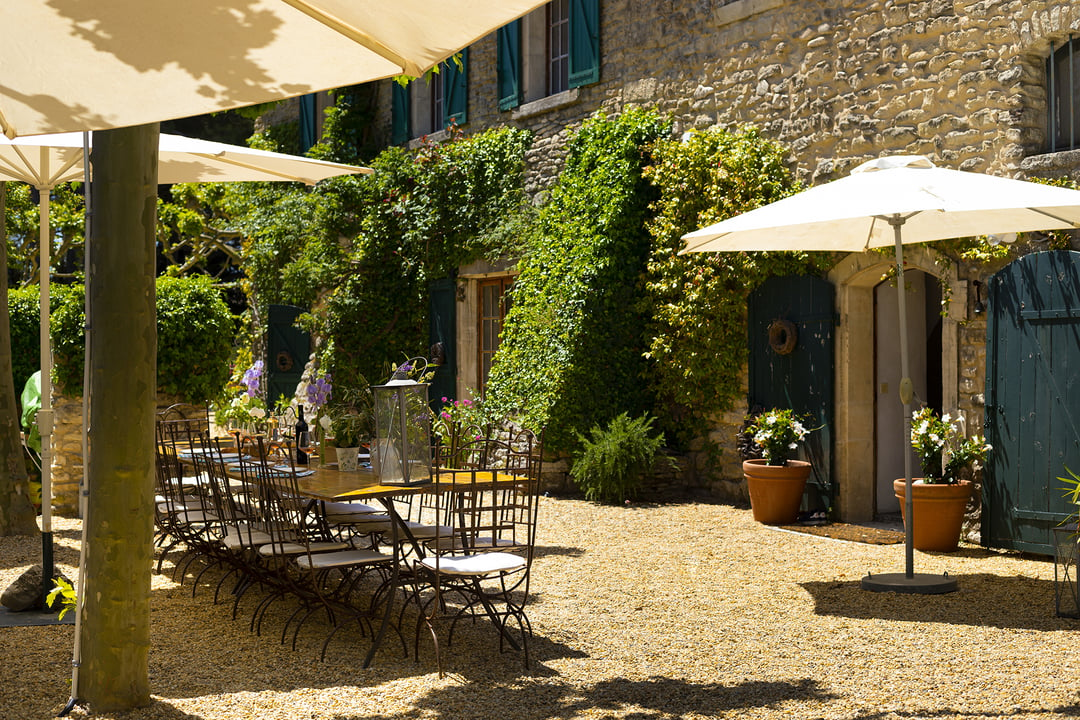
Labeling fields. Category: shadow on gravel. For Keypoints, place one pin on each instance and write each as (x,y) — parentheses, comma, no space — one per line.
(982,600)
(657,697)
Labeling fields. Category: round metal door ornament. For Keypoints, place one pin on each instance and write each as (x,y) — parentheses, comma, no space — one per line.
(783,336)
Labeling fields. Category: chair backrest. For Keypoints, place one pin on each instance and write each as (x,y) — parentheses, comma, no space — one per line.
(491,501)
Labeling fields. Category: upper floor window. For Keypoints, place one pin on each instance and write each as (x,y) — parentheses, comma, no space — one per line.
(549,51)
(431,104)
(1063,96)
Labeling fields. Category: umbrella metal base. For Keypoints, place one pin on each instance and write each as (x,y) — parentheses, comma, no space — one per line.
(915,584)
(31,618)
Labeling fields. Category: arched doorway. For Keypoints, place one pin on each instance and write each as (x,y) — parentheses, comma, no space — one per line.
(862,387)
(924,342)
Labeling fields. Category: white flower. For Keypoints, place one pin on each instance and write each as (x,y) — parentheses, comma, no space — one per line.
(793,446)
(258,412)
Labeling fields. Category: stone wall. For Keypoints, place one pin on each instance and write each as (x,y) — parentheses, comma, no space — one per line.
(962,81)
(959,80)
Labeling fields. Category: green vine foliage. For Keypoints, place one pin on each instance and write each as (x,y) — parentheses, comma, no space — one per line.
(360,251)
(415,220)
(571,351)
(194,326)
(696,303)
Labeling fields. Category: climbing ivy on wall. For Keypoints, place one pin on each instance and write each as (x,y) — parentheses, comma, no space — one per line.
(572,348)
(696,303)
(360,251)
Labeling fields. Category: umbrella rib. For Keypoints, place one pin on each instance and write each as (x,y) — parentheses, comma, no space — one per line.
(57,177)
(249,166)
(26,173)
(1052,216)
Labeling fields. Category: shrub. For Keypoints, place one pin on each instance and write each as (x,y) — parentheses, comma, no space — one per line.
(194,327)
(612,460)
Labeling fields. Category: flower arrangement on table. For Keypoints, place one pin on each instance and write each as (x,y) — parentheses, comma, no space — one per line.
(778,433)
(244,406)
(942,449)
(351,417)
(457,415)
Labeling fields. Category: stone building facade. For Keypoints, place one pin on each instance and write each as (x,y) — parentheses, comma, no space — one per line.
(963,82)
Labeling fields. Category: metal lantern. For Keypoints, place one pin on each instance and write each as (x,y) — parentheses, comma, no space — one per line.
(401,453)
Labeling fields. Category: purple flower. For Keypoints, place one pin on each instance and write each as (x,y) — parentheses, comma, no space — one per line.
(252,376)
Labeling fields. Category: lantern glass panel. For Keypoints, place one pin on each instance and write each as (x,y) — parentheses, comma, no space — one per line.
(402,451)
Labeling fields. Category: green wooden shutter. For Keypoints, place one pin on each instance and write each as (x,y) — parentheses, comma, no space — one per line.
(508,65)
(584,42)
(400,106)
(456,90)
(309,122)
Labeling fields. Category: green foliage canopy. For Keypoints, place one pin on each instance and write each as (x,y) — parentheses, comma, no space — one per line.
(571,351)
(696,303)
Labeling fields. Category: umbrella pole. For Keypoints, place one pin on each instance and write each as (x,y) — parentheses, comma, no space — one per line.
(907,392)
(45,414)
(908,581)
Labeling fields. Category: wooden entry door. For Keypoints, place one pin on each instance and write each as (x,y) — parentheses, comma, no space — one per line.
(1032,398)
(799,377)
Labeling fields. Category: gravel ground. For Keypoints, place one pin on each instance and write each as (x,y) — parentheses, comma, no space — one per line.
(641,611)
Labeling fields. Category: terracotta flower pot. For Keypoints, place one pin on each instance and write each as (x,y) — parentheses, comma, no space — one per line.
(938,510)
(776,491)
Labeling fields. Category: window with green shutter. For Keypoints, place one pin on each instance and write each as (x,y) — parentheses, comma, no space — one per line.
(508,65)
(309,122)
(548,51)
(401,110)
(584,42)
(456,90)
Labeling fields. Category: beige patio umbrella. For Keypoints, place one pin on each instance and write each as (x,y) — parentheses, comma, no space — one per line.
(893,201)
(44,161)
(73,65)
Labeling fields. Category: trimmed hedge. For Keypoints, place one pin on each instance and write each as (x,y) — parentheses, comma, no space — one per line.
(195,337)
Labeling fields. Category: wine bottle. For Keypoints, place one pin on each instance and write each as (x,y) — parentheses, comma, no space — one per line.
(301,436)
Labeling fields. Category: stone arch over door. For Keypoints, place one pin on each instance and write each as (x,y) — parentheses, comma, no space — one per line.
(855,278)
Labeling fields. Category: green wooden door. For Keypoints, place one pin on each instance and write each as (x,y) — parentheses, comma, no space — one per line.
(443,338)
(1032,398)
(287,350)
(790,326)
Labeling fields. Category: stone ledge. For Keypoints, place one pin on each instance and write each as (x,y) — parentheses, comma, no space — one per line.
(742,9)
(546,104)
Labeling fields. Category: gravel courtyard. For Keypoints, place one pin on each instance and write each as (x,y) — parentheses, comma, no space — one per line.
(640,611)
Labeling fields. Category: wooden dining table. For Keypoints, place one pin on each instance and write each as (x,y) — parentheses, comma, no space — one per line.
(325,483)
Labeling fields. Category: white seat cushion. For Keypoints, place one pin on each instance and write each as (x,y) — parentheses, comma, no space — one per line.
(476,565)
(297,549)
(235,538)
(344,558)
(349,508)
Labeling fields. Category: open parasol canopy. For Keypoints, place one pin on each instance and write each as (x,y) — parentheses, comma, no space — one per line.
(894,201)
(74,65)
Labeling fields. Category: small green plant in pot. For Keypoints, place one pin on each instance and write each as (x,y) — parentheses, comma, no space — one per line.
(943,451)
(778,434)
(352,423)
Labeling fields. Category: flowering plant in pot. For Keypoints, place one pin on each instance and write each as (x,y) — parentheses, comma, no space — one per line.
(776,481)
(944,453)
(940,497)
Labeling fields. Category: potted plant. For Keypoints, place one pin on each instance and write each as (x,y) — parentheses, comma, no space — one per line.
(352,423)
(940,496)
(776,481)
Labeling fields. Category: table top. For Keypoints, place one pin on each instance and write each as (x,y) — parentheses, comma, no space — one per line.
(326,482)
(329,483)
